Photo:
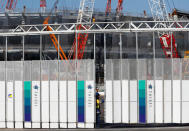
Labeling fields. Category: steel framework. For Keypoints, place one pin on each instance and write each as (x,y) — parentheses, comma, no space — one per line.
(84,16)
(99,27)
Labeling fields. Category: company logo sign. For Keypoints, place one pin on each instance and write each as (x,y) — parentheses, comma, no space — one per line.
(36,87)
(150,86)
(90,87)
(10,95)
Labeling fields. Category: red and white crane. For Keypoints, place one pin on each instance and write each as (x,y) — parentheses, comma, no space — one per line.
(119,7)
(167,40)
(108,7)
(43,5)
(84,16)
(10,5)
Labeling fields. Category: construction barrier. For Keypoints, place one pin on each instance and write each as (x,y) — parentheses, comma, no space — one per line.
(47,94)
(147,91)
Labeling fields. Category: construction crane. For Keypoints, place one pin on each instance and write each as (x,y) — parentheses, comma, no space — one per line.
(10,4)
(108,7)
(119,7)
(84,16)
(43,5)
(52,36)
(167,40)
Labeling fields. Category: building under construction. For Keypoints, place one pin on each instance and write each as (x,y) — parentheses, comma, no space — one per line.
(138,62)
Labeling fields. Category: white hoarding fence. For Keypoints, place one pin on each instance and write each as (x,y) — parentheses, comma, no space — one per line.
(47,94)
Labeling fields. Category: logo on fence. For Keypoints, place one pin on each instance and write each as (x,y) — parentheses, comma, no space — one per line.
(36,95)
(10,95)
(90,87)
(36,87)
(150,86)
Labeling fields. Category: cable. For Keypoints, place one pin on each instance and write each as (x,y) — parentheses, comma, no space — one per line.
(173,4)
(169,5)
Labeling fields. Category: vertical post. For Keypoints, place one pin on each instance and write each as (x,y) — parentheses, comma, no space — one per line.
(23,58)
(154,69)
(121,62)
(58,80)
(105,66)
(23,40)
(94,74)
(6,41)
(40,78)
(6,49)
(172,77)
(76,63)
(58,47)
(41,47)
(137,76)
(136,45)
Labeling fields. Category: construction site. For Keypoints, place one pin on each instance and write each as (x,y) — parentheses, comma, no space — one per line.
(54,61)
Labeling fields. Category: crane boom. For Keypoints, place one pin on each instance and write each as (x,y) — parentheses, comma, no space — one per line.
(11,4)
(158,10)
(119,7)
(84,16)
(53,37)
(159,13)
(108,7)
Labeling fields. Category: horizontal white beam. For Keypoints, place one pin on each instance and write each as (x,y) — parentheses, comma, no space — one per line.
(102,27)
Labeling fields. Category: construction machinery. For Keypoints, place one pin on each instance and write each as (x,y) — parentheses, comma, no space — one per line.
(108,7)
(10,5)
(43,5)
(53,37)
(84,16)
(167,40)
(119,7)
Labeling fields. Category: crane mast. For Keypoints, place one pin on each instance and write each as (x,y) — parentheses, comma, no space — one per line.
(84,16)
(85,11)
(119,7)
(167,40)
(158,10)
(108,7)
(10,5)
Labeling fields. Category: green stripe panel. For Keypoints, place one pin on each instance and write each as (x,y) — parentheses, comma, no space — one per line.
(27,101)
(142,101)
(81,100)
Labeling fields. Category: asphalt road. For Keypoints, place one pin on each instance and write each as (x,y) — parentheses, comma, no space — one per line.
(115,129)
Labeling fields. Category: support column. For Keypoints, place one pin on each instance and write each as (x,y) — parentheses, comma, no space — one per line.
(41,47)
(137,76)
(171,77)
(58,47)
(6,42)
(23,42)
(121,62)
(154,69)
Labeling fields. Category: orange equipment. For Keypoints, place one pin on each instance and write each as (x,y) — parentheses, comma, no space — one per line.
(53,37)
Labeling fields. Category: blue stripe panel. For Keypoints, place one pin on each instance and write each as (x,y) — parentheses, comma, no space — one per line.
(81,100)
(27,101)
(142,101)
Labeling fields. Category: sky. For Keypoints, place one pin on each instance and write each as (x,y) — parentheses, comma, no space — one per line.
(129,6)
